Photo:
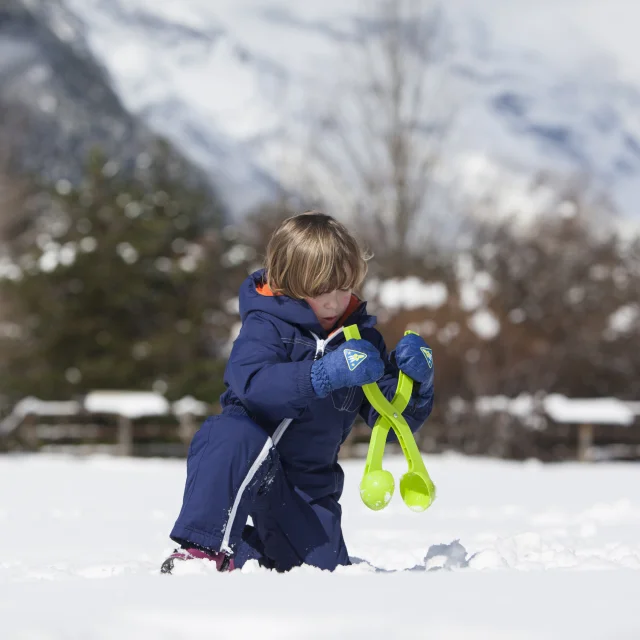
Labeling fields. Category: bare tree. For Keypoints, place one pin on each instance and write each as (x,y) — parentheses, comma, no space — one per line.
(377,146)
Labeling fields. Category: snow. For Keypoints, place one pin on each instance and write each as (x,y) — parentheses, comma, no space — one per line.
(484,324)
(32,405)
(517,551)
(189,405)
(470,297)
(623,319)
(635,407)
(473,286)
(406,293)
(588,411)
(131,404)
(523,406)
(561,409)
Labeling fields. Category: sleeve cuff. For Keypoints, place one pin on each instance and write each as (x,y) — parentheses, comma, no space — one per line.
(305,386)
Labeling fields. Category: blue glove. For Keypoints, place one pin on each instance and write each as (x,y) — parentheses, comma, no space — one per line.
(352,364)
(414,357)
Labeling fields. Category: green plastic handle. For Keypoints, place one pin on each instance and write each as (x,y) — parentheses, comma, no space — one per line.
(377,486)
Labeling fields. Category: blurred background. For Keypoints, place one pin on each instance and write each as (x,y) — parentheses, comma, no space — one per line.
(487,152)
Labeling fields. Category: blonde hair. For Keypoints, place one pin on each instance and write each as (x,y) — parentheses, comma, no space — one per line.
(312,253)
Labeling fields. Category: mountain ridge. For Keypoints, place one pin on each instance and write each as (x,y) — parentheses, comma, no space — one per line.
(230,85)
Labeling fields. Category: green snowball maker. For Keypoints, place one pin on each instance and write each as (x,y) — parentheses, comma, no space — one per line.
(377,486)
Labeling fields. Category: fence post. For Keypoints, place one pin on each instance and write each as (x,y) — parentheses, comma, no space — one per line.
(125,436)
(187,428)
(27,432)
(585,440)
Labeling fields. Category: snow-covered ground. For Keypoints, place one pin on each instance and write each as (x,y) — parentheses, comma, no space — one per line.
(529,552)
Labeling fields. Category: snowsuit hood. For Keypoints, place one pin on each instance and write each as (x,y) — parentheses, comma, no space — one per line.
(255,295)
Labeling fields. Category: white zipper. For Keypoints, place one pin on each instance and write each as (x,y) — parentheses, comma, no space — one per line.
(321,344)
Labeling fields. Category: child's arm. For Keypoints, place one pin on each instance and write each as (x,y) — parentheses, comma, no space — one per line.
(260,373)
(414,415)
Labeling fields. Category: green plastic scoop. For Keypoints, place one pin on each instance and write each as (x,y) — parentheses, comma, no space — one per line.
(377,486)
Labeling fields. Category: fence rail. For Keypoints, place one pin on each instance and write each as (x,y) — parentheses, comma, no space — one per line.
(146,424)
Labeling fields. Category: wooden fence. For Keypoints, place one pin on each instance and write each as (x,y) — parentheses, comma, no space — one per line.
(119,423)
(550,428)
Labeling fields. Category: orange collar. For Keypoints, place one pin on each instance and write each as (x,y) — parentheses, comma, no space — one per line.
(265,290)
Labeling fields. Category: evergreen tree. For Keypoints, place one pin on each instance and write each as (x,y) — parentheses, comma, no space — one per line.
(121,285)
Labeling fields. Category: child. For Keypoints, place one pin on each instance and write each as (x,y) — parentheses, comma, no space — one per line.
(292,396)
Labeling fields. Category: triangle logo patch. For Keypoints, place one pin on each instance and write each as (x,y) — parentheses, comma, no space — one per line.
(428,354)
(354,358)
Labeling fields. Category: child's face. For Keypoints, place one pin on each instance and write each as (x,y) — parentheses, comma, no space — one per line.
(328,307)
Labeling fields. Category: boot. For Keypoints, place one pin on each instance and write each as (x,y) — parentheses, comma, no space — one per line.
(222,560)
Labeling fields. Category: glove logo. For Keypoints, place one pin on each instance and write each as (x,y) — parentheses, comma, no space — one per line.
(428,355)
(354,358)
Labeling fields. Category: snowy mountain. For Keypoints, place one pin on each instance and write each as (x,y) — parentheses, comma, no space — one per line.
(240,85)
(56,100)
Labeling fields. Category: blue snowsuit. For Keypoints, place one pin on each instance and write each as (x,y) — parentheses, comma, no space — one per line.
(272,453)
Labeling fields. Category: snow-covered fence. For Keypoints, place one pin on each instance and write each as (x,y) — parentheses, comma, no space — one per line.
(540,412)
(20,421)
(116,417)
(585,413)
(548,427)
